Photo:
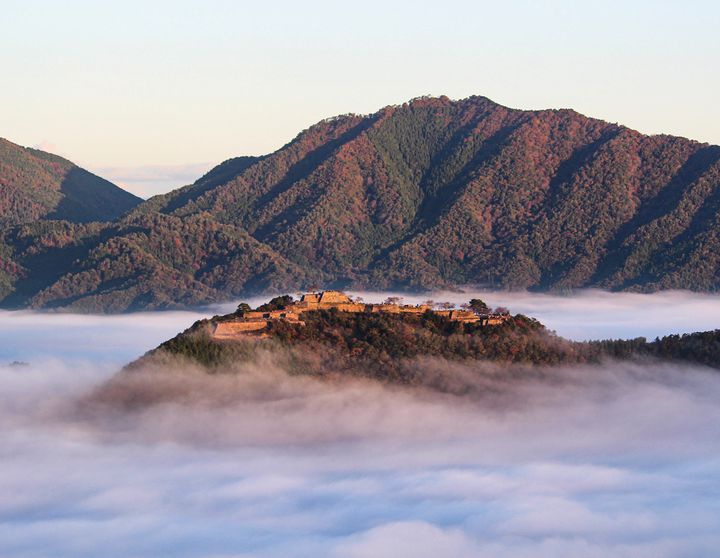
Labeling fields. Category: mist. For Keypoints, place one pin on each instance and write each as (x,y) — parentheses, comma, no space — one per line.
(593,314)
(618,460)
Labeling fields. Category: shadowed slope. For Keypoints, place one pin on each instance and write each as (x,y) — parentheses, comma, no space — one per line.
(38,185)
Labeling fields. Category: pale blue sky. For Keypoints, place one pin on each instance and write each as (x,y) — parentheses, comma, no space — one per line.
(163,89)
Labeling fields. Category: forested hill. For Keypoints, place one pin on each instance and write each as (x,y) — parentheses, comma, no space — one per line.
(392,347)
(38,185)
(432,193)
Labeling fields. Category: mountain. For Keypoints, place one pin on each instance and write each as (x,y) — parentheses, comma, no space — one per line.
(439,193)
(434,193)
(38,185)
(408,348)
(387,346)
(44,191)
(140,262)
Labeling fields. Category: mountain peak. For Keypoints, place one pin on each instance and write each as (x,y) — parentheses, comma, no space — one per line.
(40,185)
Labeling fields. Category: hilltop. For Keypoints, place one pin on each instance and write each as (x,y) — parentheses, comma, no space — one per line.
(328,334)
(433,193)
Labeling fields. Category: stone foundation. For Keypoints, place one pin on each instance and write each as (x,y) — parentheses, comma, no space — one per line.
(255,322)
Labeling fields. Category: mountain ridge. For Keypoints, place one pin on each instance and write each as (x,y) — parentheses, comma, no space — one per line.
(433,193)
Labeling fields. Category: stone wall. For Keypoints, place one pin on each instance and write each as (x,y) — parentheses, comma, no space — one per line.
(287,314)
(342,306)
(396,309)
(228,330)
(336,297)
(253,322)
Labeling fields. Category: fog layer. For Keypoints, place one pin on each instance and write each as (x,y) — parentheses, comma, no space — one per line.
(622,460)
(593,314)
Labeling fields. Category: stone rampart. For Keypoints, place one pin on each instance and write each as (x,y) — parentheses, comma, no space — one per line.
(228,330)
(256,321)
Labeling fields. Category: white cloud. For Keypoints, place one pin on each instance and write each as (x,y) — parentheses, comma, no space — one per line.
(621,460)
(594,314)
(149,180)
(410,539)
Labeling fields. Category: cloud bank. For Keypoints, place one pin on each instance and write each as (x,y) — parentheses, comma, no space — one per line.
(593,314)
(621,460)
(28,336)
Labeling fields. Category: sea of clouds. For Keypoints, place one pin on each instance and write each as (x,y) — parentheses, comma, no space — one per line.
(594,314)
(619,460)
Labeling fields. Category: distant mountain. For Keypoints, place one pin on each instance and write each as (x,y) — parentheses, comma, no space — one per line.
(39,185)
(433,193)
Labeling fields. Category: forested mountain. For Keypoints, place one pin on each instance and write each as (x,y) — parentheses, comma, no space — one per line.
(141,262)
(385,346)
(432,193)
(38,185)
(394,347)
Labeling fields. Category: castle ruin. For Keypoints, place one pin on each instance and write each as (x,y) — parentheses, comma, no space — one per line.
(255,322)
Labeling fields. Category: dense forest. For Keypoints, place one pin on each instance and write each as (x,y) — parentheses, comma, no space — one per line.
(388,347)
(430,194)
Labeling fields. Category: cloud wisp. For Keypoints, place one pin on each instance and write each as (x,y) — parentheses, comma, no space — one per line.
(617,461)
(150,180)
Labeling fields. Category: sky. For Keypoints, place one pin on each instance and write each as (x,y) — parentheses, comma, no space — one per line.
(152,94)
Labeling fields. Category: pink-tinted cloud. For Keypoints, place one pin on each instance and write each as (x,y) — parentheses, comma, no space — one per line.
(619,460)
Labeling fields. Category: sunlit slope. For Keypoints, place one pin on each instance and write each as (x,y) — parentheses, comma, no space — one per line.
(439,192)
(430,194)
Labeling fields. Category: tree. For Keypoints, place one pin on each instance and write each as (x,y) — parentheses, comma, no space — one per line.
(393,300)
(277,303)
(243,308)
(478,306)
(502,310)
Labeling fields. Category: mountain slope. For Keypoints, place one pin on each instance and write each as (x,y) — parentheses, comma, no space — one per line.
(39,185)
(140,262)
(432,193)
(439,192)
